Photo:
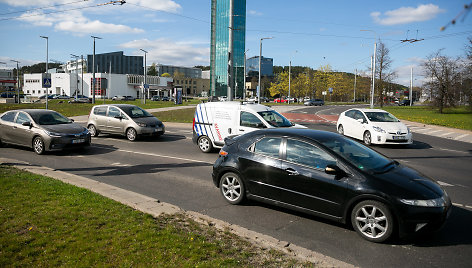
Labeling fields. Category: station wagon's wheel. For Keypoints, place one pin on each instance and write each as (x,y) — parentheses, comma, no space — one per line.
(38,145)
(232,188)
(372,220)
(205,145)
(93,130)
(131,134)
(367,138)
(341,129)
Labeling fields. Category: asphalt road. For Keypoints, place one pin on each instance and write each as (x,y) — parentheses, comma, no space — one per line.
(173,170)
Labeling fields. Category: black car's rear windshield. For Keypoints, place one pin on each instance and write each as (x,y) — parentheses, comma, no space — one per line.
(135,112)
(50,118)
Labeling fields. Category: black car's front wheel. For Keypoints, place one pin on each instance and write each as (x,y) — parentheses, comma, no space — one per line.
(372,220)
(232,188)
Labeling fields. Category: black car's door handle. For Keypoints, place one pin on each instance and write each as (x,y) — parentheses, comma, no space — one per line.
(291,171)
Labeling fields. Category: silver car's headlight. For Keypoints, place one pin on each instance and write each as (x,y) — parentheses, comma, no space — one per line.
(438,202)
(141,124)
(378,129)
(54,134)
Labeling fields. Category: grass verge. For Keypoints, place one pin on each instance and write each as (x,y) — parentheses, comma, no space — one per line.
(181,115)
(459,117)
(45,222)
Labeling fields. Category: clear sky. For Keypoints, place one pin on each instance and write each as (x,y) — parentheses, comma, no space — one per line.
(177,32)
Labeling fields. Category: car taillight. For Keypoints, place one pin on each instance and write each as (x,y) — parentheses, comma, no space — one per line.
(223,153)
(193,124)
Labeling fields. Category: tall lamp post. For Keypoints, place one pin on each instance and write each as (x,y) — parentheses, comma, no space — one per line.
(290,76)
(260,58)
(244,83)
(77,74)
(373,69)
(47,70)
(93,68)
(17,80)
(145,76)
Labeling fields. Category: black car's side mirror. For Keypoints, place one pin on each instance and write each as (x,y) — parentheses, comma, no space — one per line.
(336,171)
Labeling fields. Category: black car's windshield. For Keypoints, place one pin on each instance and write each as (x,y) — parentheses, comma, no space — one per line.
(50,118)
(381,117)
(275,119)
(135,112)
(359,155)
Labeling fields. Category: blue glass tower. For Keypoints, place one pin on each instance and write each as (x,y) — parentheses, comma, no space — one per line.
(219,56)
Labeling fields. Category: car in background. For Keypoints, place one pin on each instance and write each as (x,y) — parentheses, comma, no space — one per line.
(165,98)
(405,103)
(280,100)
(50,96)
(373,126)
(61,97)
(330,176)
(314,102)
(155,98)
(123,119)
(43,130)
(8,94)
(80,99)
(123,98)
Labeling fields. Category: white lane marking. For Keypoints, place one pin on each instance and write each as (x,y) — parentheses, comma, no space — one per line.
(461,136)
(462,205)
(165,156)
(445,134)
(118,164)
(444,183)
(434,131)
(449,150)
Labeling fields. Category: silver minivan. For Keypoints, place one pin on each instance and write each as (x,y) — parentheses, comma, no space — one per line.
(123,119)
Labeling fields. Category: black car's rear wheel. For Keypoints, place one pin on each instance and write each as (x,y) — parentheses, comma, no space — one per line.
(372,220)
(232,188)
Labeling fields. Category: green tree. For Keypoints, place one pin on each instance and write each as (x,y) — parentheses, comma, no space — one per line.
(152,70)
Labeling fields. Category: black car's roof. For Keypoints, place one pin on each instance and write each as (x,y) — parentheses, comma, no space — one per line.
(34,111)
(298,132)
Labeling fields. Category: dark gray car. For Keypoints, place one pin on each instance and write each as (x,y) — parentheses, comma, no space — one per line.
(42,130)
(123,119)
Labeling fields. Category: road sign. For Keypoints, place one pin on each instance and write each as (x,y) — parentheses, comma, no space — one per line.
(330,90)
(46,80)
(146,85)
(324,93)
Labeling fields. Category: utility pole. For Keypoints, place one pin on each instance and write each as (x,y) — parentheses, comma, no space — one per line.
(229,92)
(17,80)
(355,83)
(93,68)
(244,84)
(77,74)
(411,87)
(145,80)
(82,65)
(47,71)
(260,71)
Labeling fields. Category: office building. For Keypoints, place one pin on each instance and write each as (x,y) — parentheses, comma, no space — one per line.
(120,64)
(220,22)
(189,72)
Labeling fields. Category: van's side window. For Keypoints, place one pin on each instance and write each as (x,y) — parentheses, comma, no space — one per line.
(100,110)
(250,120)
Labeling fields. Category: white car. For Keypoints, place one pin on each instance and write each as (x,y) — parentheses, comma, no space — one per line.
(373,126)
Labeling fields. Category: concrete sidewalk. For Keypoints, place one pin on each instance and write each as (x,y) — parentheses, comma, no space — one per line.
(156,208)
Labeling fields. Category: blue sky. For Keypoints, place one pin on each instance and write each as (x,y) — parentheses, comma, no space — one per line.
(177,32)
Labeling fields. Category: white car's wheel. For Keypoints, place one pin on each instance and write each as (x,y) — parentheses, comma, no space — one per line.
(341,129)
(205,145)
(367,138)
(93,130)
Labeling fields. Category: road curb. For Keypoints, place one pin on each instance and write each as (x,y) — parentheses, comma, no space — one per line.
(156,208)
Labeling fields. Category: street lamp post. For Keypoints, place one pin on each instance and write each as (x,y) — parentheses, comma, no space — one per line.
(290,77)
(260,57)
(47,71)
(145,76)
(17,80)
(373,69)
(93,68)
(244,83)
(77,75)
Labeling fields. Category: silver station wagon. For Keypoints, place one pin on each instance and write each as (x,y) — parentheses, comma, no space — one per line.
(123,119)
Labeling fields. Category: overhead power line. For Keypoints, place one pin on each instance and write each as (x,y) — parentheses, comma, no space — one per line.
(45,7)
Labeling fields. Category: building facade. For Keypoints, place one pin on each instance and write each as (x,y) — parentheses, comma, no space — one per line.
(219,56)
(267,66)
(120,64)
(196,87)
(75,66)
(186,71)
(7,80)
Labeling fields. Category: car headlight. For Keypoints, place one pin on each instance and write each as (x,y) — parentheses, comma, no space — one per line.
(438,202)
(53,134)
(141,124)
(379,129)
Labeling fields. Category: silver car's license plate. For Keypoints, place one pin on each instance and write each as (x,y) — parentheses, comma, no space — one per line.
(78,141)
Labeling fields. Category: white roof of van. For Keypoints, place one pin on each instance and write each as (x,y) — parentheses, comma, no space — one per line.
(238,105)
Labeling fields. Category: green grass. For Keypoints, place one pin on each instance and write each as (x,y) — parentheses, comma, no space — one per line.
(74,109)
(44,223)
(181,115)
(460,117)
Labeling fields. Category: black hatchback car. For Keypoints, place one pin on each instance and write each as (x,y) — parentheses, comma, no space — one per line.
(328,175)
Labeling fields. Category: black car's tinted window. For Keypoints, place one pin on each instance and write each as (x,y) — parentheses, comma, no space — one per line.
(307,154)
(9,117)
(250,120)
(268,146)
(101,110)
(21,118)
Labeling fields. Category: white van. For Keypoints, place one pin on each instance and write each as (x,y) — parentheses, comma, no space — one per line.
(214,121)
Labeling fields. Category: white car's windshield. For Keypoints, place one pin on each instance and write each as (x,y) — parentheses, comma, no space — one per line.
(275,119)
(381,117)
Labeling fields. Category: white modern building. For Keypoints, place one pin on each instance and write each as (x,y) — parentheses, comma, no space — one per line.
(107,85)
(75,66)
(7,80)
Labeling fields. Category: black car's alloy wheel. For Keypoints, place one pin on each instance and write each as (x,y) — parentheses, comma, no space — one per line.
(38,145)
(372,220)
(232,188)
